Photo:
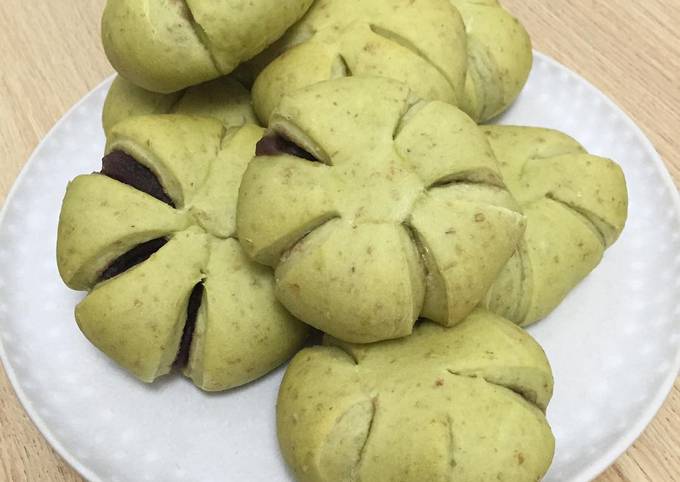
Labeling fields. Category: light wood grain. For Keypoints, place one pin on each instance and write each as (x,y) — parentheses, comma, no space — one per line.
(51,56)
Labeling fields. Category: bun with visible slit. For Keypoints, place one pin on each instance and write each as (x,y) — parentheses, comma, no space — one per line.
(152,240)
(576,206)
(470,53)
(376,208)
(168,45)
(464,404)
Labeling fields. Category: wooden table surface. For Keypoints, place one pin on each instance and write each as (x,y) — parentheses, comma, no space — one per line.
(51,56)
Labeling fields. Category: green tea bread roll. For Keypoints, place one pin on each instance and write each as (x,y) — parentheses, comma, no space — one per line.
(576,206)
(152,239)
(168,45)
(376,208)
(223,99)
(462,404)
(470,53)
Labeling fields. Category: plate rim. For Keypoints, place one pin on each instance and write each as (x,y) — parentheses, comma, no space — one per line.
(604,461)
(24,400)
(629,436)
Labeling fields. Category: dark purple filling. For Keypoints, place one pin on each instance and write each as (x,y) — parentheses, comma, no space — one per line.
(192,312)
(273,144)
(124,168)
(136,255)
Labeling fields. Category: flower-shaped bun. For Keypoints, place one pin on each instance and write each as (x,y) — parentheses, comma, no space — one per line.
(576,206)
(464,404)
(375,209)
(168,45)
(152,238)
(223,99)
(471,53)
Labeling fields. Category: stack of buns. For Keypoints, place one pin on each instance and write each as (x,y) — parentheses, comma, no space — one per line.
(313,180)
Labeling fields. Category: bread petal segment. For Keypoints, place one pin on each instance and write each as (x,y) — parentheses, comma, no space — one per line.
(322,438)
(354,282)
(281,200)
(433,31)
(558,256)
(466,244)
(241,334)
(601,196)
(360,119)
(126,99)
(370,50)
(489,419)
(499,57)
(442,144)
(486,346)
(235,32)
(177,149)
(154,44)
(406,444)
(463,403)
(514,145)
(283,75)
(101,219)
(137,318)
(214,206)
(455,428)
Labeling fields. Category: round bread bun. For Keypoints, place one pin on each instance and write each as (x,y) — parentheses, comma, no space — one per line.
(464,403)
(471,53)
(152,239)
(168,45)
(376,208)
(576,206)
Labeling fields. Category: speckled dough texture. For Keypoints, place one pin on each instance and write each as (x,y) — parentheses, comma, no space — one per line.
(137,318)
(471,53)
(576,206)
(464,403)
(223,99)
(168,45)
(403,214)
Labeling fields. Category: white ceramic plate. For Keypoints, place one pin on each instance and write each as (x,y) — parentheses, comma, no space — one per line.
(614,343)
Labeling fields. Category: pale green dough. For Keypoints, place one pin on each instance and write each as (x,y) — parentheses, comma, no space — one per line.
(499,58)
(223,99)
(241,330)
(168,45)
(100,220)
(464,404)
(137,318)
(405,214)
(471,53)
(576,206)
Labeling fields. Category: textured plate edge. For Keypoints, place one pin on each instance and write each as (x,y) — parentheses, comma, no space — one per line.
(629,437)
(24,400)
(587,474)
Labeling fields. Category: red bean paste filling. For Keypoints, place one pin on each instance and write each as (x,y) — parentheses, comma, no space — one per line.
(188,334)
(136,255)
(124,168)
(274,144)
